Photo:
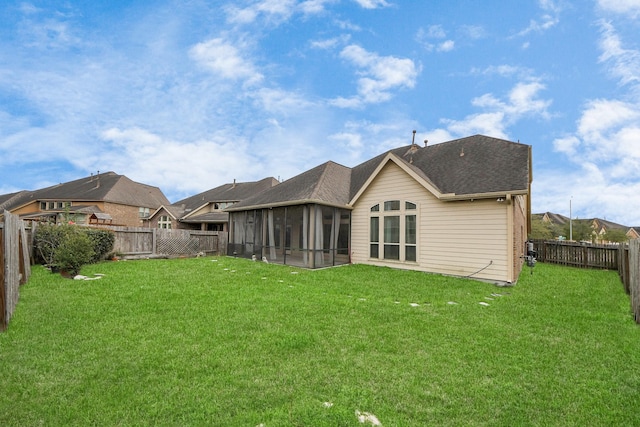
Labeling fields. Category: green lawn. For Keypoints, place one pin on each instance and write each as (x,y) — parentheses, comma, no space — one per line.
(230,342)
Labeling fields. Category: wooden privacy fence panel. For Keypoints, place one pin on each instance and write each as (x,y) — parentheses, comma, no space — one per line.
(15,267)
(577,254)
(634,278)
(135,241)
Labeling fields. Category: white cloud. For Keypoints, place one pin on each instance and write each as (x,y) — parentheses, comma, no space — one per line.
(273,11)
(549,19)
(372,4)
(225,59)
(473,31)
(379,76)
(330,43)
(603,152)
(624,63)
(446,46)
(625,7)
(521,101)
(434,32)
(148,157)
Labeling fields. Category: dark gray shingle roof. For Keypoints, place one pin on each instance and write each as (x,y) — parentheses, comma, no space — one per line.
(226,193)
(108,187)
(468,166)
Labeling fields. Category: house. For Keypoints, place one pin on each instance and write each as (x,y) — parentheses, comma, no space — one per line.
(597,230)
(458,208)
(204,211)
(103,198)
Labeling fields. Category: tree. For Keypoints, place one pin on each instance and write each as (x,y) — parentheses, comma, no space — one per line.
(616,235)
(580,229)
(541,229)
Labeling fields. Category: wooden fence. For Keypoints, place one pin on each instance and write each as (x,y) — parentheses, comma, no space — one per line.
(630,275)
(577,254)
(624,258)
(15,266)
(133,242)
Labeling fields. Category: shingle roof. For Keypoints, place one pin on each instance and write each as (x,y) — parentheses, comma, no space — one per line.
(227,193)
(327,183)
(108,187)
(475,165)
(468,166)
(11,200)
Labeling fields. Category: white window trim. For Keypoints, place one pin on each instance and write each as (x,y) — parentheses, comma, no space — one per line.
(402,213)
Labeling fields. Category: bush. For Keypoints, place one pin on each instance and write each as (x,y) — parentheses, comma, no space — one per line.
(74,252)
(102,240)
(47,239)
(69,247)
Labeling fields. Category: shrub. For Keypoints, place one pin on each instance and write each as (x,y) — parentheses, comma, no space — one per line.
(47,239)
(57,245)
(102,240)
(75,251)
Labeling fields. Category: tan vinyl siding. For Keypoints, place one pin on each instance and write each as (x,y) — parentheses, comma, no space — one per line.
(457,238)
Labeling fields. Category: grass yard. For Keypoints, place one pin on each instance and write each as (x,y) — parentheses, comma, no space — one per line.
(230,342)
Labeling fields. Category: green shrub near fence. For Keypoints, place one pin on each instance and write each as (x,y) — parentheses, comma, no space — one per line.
(69,247)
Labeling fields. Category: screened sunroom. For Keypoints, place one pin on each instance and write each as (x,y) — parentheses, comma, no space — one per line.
(309,235)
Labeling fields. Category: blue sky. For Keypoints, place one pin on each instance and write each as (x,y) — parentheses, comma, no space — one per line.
(189,95)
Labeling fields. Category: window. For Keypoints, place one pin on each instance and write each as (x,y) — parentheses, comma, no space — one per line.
(410,237)
(392,205)
(164,222)
(374,236)
(398,225)
(143,212)
(392,237)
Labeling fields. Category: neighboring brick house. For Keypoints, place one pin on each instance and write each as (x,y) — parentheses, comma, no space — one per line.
(106,198)
(460,208)
(204,211)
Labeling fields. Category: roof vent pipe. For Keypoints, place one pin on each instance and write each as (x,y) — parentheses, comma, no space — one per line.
(425,142)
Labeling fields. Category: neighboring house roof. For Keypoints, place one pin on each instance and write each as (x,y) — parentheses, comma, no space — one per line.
(214,217)
(190,209)
(105,187)
(12,200)
(552,218)
(226,193)
(461,168)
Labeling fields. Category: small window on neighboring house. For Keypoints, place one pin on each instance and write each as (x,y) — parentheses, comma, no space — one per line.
(52,205)
(60,205)
(164,222)
(43,206)
(143,212)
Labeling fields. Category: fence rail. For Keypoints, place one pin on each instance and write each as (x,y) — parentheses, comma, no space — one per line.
(15,266)
(624,258)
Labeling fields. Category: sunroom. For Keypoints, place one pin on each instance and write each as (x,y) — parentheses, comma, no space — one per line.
(308,235)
